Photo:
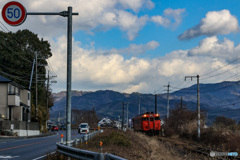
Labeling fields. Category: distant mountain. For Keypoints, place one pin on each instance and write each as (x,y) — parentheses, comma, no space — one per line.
(215,99)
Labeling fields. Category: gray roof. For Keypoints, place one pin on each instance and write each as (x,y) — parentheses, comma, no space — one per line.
(3,79)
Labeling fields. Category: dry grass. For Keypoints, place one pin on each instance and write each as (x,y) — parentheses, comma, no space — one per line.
(133,146)
(136,146)
(221,138)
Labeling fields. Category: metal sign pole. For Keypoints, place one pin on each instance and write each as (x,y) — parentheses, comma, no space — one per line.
(69,63)
(9,15)
(69,75)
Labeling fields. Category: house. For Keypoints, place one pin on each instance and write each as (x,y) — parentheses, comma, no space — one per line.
(105,122)
(15,109)
(14,101)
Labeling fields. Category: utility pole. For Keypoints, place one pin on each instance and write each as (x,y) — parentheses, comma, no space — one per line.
(168,100)
(47,97)
(181,103)
(155,103)
(198,102)
(36,88)
(30,84)
(69,15)
(139,106)
(123,116)
(127,115)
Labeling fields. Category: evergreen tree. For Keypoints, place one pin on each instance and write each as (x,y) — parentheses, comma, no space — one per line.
(17,52)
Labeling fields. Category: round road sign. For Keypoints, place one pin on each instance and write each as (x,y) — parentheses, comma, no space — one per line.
(14,13)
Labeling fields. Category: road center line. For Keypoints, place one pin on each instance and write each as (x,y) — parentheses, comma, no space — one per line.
(22,145)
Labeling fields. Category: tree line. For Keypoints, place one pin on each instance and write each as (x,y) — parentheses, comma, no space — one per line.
(17,52)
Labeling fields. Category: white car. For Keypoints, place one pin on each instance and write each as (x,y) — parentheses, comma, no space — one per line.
(83,128)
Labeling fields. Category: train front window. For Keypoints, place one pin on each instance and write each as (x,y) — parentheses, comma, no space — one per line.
(145,119)
(157,118)
(151,119)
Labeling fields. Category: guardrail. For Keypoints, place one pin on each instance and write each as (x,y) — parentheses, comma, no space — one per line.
(78,153)
(84,154)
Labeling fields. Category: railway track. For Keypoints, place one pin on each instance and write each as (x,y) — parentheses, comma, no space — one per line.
(194,148)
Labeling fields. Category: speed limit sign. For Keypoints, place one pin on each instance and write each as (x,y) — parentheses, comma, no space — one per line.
(14,13)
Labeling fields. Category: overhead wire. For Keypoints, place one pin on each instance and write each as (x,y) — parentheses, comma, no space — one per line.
(220,67)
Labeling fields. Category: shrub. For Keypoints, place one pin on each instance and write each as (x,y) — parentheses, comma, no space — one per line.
(224,120)
(221,138)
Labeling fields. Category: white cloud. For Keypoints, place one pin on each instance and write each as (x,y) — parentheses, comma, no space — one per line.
(160,20)
(136,5)
(92,71)
(212,47)
(130,23)
(215,22)
(132,50)
(170,18)
(93,15)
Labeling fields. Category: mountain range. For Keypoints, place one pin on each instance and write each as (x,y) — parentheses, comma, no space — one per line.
(220,99)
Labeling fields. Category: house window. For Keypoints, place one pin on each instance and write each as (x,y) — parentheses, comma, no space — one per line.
(20,93)
(17,91)
(9,89)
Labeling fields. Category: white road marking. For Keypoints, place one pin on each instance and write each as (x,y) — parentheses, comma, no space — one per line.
(43,156)
(8,157)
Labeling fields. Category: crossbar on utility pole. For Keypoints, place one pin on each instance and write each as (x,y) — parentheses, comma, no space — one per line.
(198,102)
(69,15)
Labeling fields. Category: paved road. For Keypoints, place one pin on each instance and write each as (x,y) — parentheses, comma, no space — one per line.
(31,149)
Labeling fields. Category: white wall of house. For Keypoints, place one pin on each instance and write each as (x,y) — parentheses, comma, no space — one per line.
(10,97)
(25,97)
(13,100)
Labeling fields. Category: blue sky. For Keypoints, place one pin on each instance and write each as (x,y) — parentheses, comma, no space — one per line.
(195,11)
(139,45)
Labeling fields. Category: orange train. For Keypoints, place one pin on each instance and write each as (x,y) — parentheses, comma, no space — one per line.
(148,122)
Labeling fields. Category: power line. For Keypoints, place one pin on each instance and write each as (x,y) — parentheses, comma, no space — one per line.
(220,67)
(220,73)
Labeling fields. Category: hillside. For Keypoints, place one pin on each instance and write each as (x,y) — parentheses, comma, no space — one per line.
(215,99)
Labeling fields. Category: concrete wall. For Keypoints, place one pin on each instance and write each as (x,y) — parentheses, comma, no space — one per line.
(21,127)
(26,132)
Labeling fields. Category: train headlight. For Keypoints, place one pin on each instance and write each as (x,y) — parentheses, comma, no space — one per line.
(157,115)
(144,115)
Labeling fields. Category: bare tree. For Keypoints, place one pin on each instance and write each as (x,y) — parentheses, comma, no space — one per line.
(81,116)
